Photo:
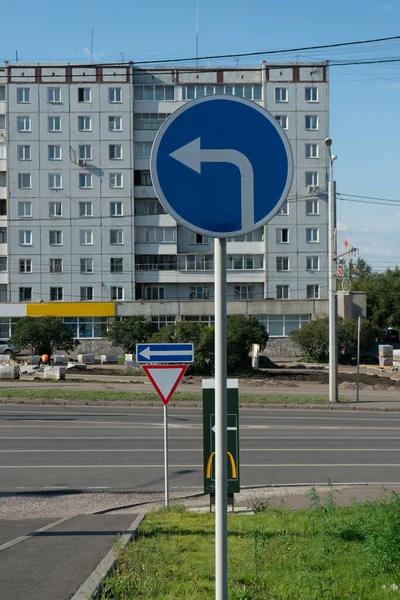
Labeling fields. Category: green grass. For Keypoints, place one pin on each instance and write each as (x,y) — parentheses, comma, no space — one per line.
(329,552)
(98,395)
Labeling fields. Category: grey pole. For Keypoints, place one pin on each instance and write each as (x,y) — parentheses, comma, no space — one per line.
(358,357)
(166,456)
(221,490)
(332,254)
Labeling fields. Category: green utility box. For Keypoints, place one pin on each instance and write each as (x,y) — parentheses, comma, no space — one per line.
(232,436)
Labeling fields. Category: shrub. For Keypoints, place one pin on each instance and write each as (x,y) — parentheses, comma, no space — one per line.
(43,335)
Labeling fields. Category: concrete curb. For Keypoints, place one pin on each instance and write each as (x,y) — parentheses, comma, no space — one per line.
(92,586)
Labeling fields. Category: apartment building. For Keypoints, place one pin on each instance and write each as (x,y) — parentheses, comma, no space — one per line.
(82,234)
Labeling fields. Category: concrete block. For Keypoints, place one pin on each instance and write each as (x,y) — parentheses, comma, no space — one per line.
(385,361)
(396,355)
(54,372)
(385,350)
(130,357)
(87,359)
(109,359)
(34,359)
(9,372)
(396,364)
(5,358)
(60,360)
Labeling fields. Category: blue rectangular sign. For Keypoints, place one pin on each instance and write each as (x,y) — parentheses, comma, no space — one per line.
(164,353)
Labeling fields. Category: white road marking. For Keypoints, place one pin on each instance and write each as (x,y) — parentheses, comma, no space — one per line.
(200,466)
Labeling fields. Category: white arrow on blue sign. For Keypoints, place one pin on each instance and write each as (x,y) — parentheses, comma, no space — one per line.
(164,353)
(221,166)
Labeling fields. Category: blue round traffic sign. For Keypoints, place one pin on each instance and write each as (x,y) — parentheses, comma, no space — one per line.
(221,166)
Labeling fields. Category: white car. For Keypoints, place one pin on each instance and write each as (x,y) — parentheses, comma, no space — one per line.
(7,348)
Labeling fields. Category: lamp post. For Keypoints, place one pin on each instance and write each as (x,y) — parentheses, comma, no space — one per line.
(332,258)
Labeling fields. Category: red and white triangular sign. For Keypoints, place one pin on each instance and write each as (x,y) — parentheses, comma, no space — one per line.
(165,379)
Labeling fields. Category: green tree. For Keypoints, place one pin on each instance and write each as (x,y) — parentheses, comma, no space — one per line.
(242,332)
(383,297)
(359,270)
(129,332)
(43,335)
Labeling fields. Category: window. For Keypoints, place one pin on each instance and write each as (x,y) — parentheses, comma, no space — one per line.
(282,263)
(311,94)
(84,123)
(115,151)
(116,265)
(54,152)
(154,292)
(243,292)
(24,152)
(55,181)
(25,237)
(3,235)
(311,150)
(281,94)
(116,237)
(23,95)
(195,262)
(199,292)
(3,122)
(116,209)
(284,209)
(148,207)
(25,294)
(86,265)
(282,292)
(312,207)
(156,234)
(2,93)
(25,265)
(197,238)
(149,120)
(312,263)
(143,149)
(55,238)
(85,180)
(3,207)
(154,92)
(86,293)
(54,123)
(161,321)
(24,209)
(254,236)
(23,124)
(3,151)
(115,123)
(252,92)
(311,122)
(87,327)
(56,293)
(158,262)
(84,94)
(114,94)
(86,209)
(116,180)
(283,121)
(282,236)
(142,178)
(311,178)
(312,235)
(56,265)
(245,262)
(282,325)
(116,292)
(86,237)
(24,181)
(55,209)
(54,95)
(85,152)
(3,264)
(312,292)
(203,319)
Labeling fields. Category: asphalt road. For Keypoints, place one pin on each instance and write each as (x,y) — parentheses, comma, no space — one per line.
(121,448)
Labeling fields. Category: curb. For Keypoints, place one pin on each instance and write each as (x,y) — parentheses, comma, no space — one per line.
(92,586)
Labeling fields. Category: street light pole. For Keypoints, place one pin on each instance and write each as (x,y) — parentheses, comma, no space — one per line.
(332,260)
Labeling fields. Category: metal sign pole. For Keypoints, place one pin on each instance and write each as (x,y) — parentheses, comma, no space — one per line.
(221,489)
(358,357)
(166,456)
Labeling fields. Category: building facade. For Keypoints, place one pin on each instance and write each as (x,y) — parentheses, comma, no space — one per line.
(80,221)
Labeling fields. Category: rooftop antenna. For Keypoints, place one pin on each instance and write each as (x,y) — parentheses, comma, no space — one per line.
(197,34)
(122,56)
(16,56)
(91,45)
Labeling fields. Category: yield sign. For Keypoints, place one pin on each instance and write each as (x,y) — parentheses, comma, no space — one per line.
(165,379)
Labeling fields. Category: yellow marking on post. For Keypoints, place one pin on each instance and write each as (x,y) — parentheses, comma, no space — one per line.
(232,461)
(233,466)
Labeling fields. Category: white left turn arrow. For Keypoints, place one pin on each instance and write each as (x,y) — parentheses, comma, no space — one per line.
(228,428)
(147,353)
(192,155)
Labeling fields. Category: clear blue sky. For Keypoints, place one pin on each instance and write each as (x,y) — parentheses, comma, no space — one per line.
(364,99)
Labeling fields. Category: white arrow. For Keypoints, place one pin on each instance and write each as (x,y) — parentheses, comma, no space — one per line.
(228,428)
(191,155)
(147,353)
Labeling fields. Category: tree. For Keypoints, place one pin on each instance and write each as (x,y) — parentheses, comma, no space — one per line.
(313,339)
(383,297)
(359,270)
(242,332)
(129,332)
(43,335)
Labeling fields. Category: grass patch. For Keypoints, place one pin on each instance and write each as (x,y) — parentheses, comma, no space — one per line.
(328,552)
(99,395)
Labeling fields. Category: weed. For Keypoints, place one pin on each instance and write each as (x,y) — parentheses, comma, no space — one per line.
(259,504)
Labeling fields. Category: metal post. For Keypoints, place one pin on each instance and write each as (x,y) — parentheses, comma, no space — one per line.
(333,345)
(166,456)
(221,490)
(358,357)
